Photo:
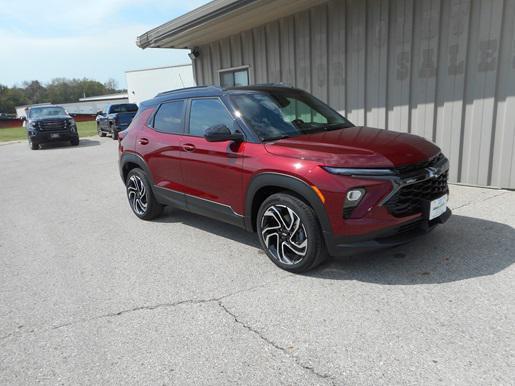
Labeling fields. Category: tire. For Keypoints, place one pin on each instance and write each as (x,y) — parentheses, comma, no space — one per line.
(100,132)
(75,142)
(299,229)
(33,145)
(140,196)
(115,135)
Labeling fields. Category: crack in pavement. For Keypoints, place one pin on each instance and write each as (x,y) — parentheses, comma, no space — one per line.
(135,309)
(486,199)
(217,300)
(128,311)
(249,328)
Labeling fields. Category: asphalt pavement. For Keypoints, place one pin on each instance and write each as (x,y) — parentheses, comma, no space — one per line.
(89,294)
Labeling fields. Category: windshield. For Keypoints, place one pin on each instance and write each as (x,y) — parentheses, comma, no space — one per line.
(42,112)
(127,108)
(275,114)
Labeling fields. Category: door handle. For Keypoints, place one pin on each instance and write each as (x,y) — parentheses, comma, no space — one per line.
(188,147)
(143,141)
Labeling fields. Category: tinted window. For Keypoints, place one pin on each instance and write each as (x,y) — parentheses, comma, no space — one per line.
(206,113)
(41,112)
(170,117)
(124,108)
(286,113)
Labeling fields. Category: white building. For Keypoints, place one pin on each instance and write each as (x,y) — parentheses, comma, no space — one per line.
(91,105)
(146,83)
(85,106)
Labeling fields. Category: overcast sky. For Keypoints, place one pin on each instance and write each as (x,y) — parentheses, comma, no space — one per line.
(45,39)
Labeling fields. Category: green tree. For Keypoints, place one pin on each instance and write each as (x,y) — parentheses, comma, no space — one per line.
(35,91)
(111,86)
(10,98)
(59,90)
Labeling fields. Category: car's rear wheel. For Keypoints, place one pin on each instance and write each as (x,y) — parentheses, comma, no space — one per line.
(289,233)
(115,134)
(140,196)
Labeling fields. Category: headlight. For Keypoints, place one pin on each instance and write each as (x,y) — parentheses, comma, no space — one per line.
(71,124)
(33,125)
(359,172)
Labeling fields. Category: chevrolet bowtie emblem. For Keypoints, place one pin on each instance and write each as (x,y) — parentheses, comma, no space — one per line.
(433,172)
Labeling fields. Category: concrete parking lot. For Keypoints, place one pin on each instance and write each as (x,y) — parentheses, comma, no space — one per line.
(89,294)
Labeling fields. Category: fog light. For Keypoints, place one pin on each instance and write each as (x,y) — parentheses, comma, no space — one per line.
(354,195)
(352,200)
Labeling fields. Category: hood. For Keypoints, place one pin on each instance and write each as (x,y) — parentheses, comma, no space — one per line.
(356,147)
(50,118)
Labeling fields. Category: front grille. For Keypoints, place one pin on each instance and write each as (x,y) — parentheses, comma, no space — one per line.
(410,198)
(421,165)
(52,125)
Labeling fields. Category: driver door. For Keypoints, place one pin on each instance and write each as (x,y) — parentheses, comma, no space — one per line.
(212,170)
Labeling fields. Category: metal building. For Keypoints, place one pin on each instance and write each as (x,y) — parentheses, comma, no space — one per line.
(442,69)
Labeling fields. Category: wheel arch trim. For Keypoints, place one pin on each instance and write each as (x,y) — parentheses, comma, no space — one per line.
(287,182)
(134,158)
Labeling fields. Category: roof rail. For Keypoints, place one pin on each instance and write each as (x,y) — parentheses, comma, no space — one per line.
(277,84)
(183,89)
(258,85)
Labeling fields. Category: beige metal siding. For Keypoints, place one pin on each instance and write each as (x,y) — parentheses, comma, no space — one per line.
(442,69)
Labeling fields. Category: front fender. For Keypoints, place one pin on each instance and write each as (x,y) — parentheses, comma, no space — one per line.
(287,182)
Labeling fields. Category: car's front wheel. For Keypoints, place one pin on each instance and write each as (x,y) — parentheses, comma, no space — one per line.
(141,199)
(289,233)
(33,145)
(99,131)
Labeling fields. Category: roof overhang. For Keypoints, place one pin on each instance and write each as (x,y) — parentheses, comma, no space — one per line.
(219,19)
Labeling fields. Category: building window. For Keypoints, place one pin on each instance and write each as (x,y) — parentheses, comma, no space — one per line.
(234,77)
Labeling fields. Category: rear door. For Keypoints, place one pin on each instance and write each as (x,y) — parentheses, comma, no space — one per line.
(160,143)
(212,170)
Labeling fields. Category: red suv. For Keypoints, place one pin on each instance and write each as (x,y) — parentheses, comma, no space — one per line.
(278,161)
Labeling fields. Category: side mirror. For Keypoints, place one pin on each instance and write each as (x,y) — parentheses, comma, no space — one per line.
(23,119)
(99,113)
(221,133)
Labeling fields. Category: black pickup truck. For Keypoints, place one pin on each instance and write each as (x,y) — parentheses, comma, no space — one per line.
(50,123)
(115,118)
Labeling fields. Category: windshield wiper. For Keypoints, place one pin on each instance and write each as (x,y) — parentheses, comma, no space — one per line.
(337,126)
(268,139)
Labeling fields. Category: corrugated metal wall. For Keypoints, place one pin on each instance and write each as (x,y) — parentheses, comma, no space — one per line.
(442,69)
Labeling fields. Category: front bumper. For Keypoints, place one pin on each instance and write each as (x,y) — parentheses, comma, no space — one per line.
(49,136)
(344,246)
